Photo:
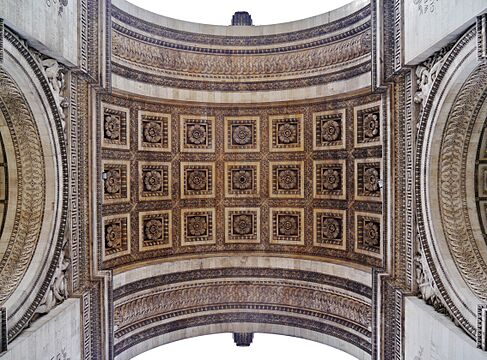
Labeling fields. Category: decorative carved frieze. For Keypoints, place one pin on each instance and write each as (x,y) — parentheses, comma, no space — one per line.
(452,176)
(1,40)
(31,185)
(482,37)
(427,289)
(55,74)
(3,330)
(427,72)
(58,289)
(451,159)
(158,306)
(152,56)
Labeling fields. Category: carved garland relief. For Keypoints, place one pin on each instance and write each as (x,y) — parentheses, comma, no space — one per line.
(451,180)
(30,194)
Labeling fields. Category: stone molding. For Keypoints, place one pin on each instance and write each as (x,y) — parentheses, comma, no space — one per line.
(157,305)
(152,54)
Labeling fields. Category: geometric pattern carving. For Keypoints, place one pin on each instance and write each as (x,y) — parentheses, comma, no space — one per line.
(287,226)
(242,225)
(315,182)
(368,179)
(286,179)
(197,133)
(329,179)
(197,180)
(329,130)
(154,180)
(115,236)
(116,182)
(154,131)
(330,228)
(368,234)
(115,127)
(242,134)
(367,121)
(286,133)
(197,226)
(242,179)
(155,230)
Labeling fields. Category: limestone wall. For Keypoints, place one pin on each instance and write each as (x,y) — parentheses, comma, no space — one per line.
(54,336)
(432,336)
(49,25)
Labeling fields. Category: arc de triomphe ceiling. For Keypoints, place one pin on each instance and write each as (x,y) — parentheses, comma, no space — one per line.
(322,178)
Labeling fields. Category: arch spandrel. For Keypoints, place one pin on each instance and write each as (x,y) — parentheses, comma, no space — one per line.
(251,168)
(448,142)
(35,151)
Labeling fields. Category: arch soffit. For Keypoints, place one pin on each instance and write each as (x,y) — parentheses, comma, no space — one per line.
(140,323)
